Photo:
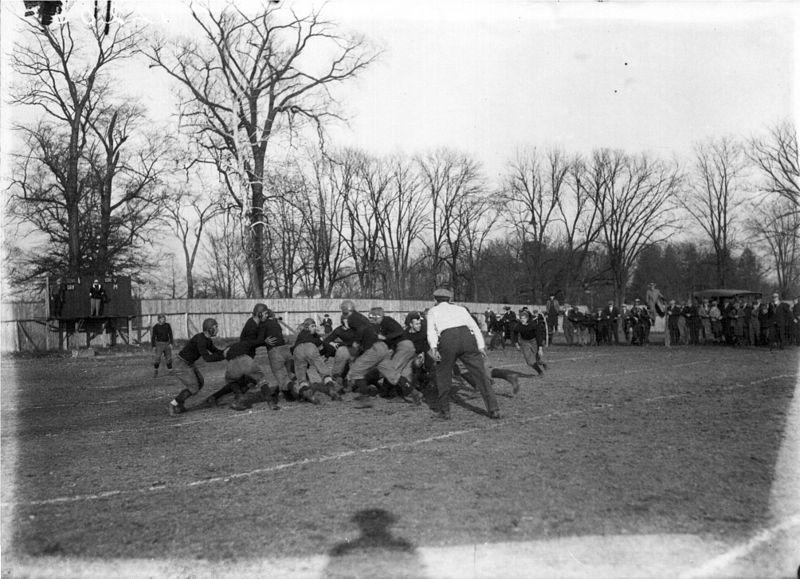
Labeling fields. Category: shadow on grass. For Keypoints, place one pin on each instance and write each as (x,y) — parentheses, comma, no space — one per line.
(376,552)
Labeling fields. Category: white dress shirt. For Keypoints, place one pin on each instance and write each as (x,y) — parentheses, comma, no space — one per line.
(444,316)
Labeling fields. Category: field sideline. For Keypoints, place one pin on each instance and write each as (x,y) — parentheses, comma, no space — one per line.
(619,462)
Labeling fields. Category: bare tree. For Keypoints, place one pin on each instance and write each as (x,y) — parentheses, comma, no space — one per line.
(634,197)
(225,272)
(189,214)
(250,80)
(477,220)
(284,237)
(775,222)
(404,223)
(323,213)
(452,181)
(713,196)
(62,71)
(365,186)
(580,229)
(776,159)
(127,164)
(532,191)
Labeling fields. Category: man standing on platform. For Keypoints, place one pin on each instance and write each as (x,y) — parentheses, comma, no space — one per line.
(454,335)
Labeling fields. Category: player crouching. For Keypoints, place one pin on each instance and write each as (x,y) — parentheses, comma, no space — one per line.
(200,346)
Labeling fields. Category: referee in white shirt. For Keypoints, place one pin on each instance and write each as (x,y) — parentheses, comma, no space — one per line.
(454,335)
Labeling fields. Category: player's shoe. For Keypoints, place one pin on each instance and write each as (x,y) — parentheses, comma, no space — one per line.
(363,401)
(307,394)
(211,402)
(175,409)
(239,405)
(416,397)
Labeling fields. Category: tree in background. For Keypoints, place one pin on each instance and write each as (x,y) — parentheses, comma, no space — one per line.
(532,194)
(64,180)
(452,183)
(323,213)
(225,274)
(776,159)
(250,79)
(634,197)
(775,224)
(713,196)
(406,220)
(188,215)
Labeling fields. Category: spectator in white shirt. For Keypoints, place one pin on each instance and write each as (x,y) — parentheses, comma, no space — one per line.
(454,335)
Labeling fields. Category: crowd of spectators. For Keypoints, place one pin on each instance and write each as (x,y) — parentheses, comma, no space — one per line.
(735,321)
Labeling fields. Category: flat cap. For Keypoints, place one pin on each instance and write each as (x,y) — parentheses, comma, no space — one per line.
(443,294)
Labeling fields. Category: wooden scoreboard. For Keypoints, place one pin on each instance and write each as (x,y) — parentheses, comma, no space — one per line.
(69,297)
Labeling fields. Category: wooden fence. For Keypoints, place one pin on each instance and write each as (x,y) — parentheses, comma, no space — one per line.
(24,326)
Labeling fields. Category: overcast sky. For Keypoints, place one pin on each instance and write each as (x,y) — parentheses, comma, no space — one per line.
(490,77)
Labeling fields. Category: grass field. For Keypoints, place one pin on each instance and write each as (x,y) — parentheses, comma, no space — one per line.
(619,462)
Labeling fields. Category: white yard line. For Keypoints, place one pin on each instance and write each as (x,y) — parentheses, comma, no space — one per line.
(327,458)
(775,551)
(771,552)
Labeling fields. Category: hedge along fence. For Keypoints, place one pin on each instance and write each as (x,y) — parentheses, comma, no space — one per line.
(25,325)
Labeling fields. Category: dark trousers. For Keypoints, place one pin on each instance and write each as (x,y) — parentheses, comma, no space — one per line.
(460,344)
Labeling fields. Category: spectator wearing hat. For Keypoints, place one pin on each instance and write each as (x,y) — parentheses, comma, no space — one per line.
(704,313)
(796,321)
(568,325)
(454,335)
(656,302)
(327,324)
(778,319)
(509,320)
(672,335)
(611,313)
(552,310)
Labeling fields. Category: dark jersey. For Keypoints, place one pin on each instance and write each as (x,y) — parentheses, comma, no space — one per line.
(342,334)
(366,335)
(391,330)
(201,346)
(97,292)
(272,329)
(419,339)
(532,331)
(240,349)
(253,334)
(161,333)
(306,336)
